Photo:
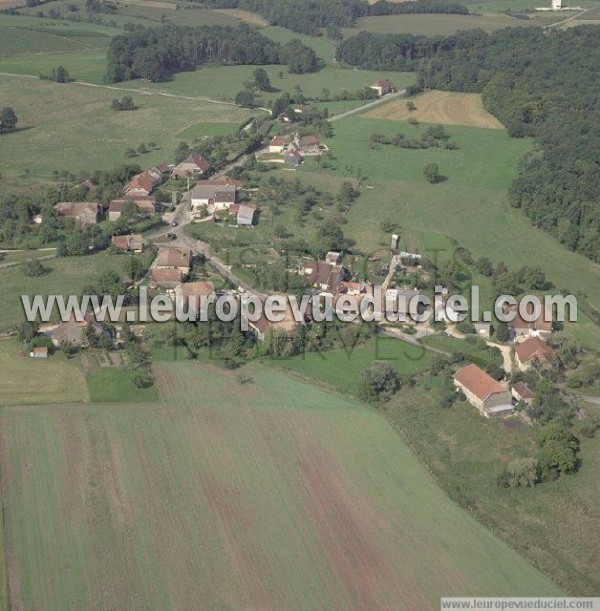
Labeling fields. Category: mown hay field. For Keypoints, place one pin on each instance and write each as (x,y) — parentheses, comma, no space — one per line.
(27,381)
(268,494)
(443,107)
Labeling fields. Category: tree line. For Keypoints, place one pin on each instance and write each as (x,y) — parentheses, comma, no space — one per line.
(537,83)
(155,53)
(311,17)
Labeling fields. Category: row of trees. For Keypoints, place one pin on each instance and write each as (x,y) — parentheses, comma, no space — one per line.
(330,15)
(155,53)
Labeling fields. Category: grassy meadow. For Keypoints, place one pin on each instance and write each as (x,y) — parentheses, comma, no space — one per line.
(269,494)
(66,276)
(556,526)
(72,127)
(27,381)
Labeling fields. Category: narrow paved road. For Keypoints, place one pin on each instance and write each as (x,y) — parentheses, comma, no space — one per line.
(385,98)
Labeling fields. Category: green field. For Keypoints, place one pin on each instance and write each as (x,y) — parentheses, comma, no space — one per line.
(432,25)
(72,127)
(341,368)
(67,276)
(268,495)
(112,385)
(224,82)
(556,525)
(27,381)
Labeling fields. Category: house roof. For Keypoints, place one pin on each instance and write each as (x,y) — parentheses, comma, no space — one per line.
(40,350)
(189,289)
(134,241)
(198,161)
(382,83)
(144,182)
(540,324)
(166,275)
(533,348)
(142,204)
(72,329)
(86,212)
(324,273)
(478,382)
(310,140)
(278,141)
(217,191)
(523,390)
(246,213)
(171,256)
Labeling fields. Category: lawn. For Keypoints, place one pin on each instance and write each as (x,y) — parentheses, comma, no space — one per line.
(72,127)
(555,525)
(111,385)
(470,207)
(66,276)
(27,381)
(269,494)
(342,368)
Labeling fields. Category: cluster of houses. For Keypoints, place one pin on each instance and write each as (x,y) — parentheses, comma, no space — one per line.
(293,149)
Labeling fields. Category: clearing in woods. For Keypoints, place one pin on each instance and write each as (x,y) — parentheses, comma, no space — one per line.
(262,493)
(440,107)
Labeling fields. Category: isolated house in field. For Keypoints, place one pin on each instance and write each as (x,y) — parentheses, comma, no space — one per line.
(489,396)
(521,392)
(194,165)
(382,87)
(215,195)
(533,350)
(144,206)
(247,215)
(39,352)
(84,213)
(540,326)
(171,266)
(128,243)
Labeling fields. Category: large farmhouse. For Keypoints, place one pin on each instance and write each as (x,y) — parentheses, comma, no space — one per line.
(84,213)
(489,396)
(194,165)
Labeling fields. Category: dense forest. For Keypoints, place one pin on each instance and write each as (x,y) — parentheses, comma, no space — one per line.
(310,16)
(155,53)
(538,83)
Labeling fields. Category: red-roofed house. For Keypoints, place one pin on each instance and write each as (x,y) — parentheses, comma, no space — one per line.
(171,266)
(144,205)
(191,166)
(382,87)
(533,350)
(142,184)
(489,396)
(277,144)
(84,213)
(131,243)
(542,325)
